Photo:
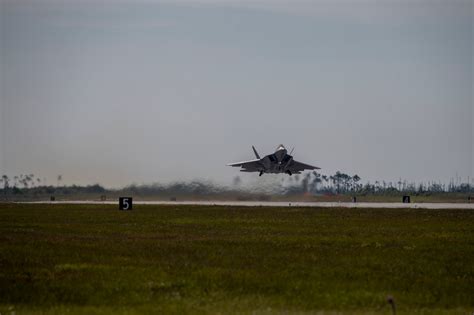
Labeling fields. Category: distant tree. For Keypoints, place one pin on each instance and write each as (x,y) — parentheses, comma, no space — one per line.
(377,186)
(325,179)
(94,189)
(420,188)
(345,181)
(24,180)
(6,182)
(332,180)
(339,179)
(31,179)
(60,178)
(355,181)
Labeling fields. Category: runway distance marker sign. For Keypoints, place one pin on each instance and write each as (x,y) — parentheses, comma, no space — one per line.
(125,203)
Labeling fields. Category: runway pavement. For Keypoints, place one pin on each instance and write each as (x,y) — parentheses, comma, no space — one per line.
(391,205)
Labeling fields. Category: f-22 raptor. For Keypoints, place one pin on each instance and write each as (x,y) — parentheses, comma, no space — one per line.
(278,162)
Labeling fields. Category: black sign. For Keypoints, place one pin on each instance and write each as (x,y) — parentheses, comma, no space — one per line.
(406,199)
(125,203)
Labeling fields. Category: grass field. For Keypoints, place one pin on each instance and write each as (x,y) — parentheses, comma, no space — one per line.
(80,259)
(444,197)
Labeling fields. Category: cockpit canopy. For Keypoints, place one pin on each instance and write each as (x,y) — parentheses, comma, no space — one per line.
(280,147)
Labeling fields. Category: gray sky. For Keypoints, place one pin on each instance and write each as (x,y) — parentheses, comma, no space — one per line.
(117,92)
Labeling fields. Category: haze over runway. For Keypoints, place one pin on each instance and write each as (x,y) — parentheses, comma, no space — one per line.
(117,92)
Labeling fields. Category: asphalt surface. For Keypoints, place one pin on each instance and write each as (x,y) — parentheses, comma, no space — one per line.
(392,205)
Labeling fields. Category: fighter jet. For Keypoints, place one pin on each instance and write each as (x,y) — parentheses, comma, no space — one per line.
(278,162)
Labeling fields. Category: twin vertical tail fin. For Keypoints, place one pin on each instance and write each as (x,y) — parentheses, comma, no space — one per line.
(256,153)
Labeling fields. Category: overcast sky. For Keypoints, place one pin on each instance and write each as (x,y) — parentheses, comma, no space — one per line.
(117,92)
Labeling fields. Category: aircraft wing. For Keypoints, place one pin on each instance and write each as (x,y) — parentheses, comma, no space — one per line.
(248,166)
(296,167)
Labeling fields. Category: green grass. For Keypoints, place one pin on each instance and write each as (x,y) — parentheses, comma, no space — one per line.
(94,259)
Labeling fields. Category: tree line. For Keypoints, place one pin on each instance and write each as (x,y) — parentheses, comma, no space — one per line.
(312,183)
(342,183)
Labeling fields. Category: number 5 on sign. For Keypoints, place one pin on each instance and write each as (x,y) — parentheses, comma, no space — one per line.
(125,203)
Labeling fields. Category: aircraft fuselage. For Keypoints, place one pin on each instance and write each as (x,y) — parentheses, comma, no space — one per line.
(277,162)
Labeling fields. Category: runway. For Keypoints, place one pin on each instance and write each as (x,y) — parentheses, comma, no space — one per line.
(388,205)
